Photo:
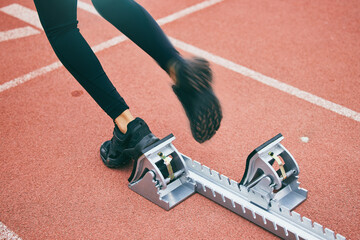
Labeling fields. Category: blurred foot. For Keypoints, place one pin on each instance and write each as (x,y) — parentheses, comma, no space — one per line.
(193,87)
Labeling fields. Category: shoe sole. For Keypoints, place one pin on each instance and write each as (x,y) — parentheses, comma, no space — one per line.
(207,118)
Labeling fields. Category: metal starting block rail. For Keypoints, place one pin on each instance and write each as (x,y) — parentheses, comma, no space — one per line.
(266,195)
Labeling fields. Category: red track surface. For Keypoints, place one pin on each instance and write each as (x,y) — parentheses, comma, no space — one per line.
(54,186)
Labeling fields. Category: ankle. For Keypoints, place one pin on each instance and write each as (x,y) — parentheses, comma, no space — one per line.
(123,120)
(172,68)
(172,73)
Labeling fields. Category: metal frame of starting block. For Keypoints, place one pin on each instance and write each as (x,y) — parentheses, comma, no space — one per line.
(266,195)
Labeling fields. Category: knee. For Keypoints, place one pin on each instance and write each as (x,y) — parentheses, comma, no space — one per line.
(53,32)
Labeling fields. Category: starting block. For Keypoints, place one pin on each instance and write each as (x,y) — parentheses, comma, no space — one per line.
(266,195)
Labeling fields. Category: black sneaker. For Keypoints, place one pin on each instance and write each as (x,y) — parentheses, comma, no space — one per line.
(193,89)
(122,148)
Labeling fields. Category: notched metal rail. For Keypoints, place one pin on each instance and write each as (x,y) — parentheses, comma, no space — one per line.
(266,194)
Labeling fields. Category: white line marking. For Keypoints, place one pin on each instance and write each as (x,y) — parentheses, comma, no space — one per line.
(17,33)
(187,11)
(162,21)
(41,71)
(23,13)
(107,44)
(87,7)
(6,234)
(344,111)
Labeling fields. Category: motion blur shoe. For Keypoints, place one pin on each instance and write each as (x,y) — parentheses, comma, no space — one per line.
(193,80)
(122,148)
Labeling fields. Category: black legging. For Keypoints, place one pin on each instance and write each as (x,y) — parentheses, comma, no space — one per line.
(59,20)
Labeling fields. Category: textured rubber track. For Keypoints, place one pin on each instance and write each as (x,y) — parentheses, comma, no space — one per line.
(54,186)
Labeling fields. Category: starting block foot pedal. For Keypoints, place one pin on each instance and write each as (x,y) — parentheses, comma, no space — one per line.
(161,175)
(271,173)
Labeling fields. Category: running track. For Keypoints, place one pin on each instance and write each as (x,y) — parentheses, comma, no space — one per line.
(281,66)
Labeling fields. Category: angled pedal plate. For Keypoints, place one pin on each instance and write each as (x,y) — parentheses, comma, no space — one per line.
(266,183)
(266,194)
(153,180)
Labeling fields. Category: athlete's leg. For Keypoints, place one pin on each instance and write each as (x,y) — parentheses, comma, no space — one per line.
(138,25)
(192,78)
(59,21)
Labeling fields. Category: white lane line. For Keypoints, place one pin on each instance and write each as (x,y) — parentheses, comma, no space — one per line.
(187,11)
(90,8)
(162,21)
(17,33)
(344,111)
(87,7)
(38,72)
(7,234)
(107,44)
(22,13)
